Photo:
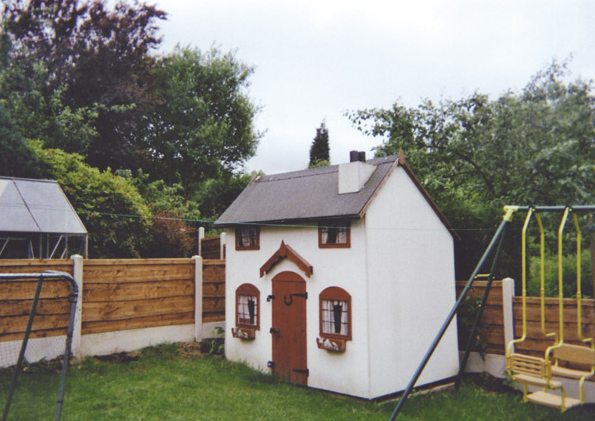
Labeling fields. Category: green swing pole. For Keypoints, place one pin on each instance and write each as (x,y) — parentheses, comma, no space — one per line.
(21,356)
(481,308)
(510,210)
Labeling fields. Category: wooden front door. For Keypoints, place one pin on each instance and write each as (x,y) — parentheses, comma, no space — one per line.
(289,328)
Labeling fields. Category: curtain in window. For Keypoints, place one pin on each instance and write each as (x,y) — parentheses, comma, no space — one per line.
(247,309)
(335,317)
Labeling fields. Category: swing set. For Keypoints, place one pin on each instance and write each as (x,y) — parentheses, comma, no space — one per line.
(536,371)
(572,361)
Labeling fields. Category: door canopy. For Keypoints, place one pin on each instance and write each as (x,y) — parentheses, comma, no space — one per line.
(286,252)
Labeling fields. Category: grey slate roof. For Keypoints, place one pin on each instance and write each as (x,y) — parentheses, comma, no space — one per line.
(36,206)
(305,195)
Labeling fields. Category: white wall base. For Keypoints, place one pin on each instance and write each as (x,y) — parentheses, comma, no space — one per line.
(105,343)
(37,350)
(493,364)
(133,340)
(207,330)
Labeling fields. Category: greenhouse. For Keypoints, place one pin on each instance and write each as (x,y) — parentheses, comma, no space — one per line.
(38,221)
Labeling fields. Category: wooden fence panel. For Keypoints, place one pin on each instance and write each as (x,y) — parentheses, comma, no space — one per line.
(213,289)
(117,295)
(35,265)
(137,293)
(16,299)
(210,248)
(491,325)
(537,342)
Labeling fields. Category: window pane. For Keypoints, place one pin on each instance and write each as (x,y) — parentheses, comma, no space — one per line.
(247,237)
(335,317)
(341,235)
(247,309)
(333,235)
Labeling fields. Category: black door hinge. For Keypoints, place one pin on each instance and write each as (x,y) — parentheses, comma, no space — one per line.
(271,364)
(273,330)
(306,371)
(270,297)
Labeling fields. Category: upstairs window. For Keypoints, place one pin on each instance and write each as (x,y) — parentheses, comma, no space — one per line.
(247,238)
(335,313)
(334,235)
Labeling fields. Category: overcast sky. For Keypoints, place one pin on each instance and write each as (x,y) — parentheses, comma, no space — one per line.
(316,59)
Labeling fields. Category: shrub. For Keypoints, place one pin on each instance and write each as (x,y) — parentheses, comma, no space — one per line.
(568,274)
(110,207)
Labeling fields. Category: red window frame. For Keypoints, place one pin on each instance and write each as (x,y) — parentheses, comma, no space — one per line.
(250,291)
(335,294)
(329,227)
(253,239)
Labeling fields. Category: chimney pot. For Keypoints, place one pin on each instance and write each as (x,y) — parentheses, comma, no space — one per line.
(361,156)
(353,156)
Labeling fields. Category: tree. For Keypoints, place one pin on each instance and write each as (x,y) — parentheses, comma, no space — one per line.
(216,195)
(320,151)
(16,159)
(202,126)
(175,219)
(111,208)
(72,63)
(475,155)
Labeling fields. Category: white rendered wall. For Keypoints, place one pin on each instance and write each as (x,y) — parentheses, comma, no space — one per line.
(411,287)
(345,372)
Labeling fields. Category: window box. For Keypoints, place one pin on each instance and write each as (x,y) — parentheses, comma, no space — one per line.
(244,333)
(331,345)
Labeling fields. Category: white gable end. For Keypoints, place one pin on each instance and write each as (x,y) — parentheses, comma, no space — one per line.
(411,279)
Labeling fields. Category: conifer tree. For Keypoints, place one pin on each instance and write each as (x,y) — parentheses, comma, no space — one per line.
(319,151)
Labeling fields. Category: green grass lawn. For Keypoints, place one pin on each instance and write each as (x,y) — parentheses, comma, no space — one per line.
(169,383)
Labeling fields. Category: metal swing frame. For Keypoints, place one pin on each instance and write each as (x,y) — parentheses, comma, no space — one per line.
(73,299)
(495,247)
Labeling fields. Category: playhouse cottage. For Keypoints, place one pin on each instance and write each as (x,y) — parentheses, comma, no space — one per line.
(339,277)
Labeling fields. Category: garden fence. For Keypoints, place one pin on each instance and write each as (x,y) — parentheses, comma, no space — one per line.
(124,304)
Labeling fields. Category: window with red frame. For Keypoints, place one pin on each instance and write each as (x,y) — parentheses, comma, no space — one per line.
(334,235)
(335,313)
(248,238)
(248,306)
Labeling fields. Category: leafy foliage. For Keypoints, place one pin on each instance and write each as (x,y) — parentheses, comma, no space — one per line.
(80,73)
(174,218)
(80,77)
(475,155)
(215,195)
(569,275)
(16,159)
(202,125)
(109,206)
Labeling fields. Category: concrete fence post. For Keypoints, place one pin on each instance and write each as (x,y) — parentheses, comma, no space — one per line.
(201,235)
(77,274)
(507,310)
(222,246)
(197,298)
